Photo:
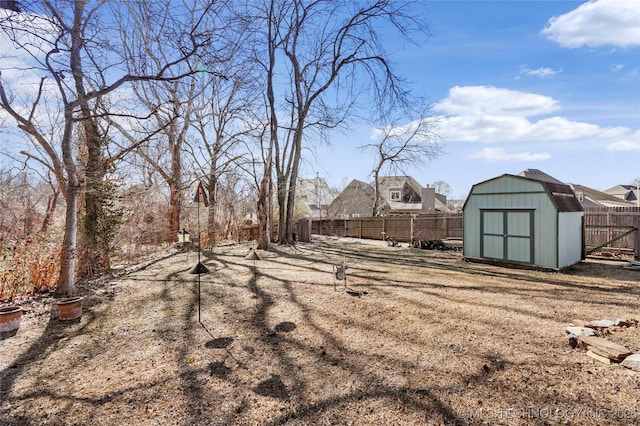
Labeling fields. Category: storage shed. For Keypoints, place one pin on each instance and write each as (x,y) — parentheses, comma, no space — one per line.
(530,218)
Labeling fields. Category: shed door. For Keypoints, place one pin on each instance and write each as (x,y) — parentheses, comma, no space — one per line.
(507,235)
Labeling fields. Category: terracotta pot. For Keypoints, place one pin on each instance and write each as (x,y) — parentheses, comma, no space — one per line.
(70,308)
(10,317)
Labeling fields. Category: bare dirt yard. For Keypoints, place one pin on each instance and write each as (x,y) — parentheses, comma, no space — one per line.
(416,338)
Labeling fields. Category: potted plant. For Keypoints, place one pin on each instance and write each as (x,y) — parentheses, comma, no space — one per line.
(10,317)
(69,308)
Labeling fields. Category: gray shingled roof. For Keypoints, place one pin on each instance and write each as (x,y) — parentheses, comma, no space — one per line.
(562,195)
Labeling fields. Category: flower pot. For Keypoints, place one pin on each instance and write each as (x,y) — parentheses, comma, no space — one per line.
(70,308)
(10,317)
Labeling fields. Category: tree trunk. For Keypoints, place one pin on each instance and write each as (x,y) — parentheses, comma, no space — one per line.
(52,203)
(174,212)
(93,259)
(293,179)
(376,188)
(282,208)
(66,279)
(264,220)
(212,225)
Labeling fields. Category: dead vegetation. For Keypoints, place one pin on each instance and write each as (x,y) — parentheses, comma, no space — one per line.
(417,337)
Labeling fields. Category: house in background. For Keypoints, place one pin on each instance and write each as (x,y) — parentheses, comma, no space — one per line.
(630,193)
(530,218)
(315,195)
(356,200)
(588,197)
(401,195)
(591,198)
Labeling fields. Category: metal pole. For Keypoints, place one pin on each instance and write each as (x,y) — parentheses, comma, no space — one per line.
(199,236)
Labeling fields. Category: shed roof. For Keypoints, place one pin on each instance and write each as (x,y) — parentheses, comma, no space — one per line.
(561,194)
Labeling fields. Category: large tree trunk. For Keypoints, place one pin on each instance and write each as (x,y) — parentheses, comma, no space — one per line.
(282,208)
(293,179)
(264,209)
(94,259)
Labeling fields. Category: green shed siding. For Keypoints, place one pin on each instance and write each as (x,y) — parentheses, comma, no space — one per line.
(510,193)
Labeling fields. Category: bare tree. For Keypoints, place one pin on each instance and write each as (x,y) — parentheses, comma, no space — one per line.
(329,47)
(402,145)
(72,54)
(442,187)
(225,117)
(179,107)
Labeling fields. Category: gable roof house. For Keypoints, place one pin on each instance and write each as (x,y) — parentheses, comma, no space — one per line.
(591,198)
(316,195)
(401,195)
(356,200)
(629,193)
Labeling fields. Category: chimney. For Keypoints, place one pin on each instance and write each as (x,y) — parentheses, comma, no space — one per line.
(428,200)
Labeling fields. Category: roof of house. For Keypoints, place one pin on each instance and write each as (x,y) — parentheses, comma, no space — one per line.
(315,191)
(625,192)
(593,198)
(396,182)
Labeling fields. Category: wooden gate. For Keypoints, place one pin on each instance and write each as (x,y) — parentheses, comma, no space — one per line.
(612,228)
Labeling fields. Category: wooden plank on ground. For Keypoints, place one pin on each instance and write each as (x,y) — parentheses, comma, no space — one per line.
(600,352)
(613,350)
(597,357)
(580,323)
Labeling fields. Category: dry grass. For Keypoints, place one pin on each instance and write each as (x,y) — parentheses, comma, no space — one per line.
(418,337)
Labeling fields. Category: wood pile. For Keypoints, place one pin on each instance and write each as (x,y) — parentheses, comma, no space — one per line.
(591,336)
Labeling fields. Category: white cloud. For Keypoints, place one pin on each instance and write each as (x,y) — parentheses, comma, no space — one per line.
(543,72)
(488,100)
(623,146)
(597,23)
(631,143)
(493,115)
(499,154)
(616,67)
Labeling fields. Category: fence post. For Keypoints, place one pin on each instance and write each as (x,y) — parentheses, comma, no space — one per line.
(446,227)
(411,242)
(636,248)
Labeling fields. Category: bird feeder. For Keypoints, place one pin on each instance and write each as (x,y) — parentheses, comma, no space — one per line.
(183,236)
(339,273)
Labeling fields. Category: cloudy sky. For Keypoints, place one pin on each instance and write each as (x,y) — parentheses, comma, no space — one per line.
(551,85)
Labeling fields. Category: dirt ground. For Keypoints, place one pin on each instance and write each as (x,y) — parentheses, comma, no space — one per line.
(416,337)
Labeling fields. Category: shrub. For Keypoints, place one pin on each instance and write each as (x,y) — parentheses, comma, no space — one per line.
(28,265)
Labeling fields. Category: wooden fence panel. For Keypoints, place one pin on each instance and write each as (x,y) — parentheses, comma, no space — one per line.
(601,225)
(604,224)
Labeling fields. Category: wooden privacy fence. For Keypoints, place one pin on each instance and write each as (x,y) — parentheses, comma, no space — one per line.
(400,228)
(613,228)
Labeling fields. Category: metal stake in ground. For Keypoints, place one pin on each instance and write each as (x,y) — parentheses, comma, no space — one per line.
(200,196)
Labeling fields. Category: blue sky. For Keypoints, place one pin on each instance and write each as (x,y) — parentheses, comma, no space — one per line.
(551,85)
